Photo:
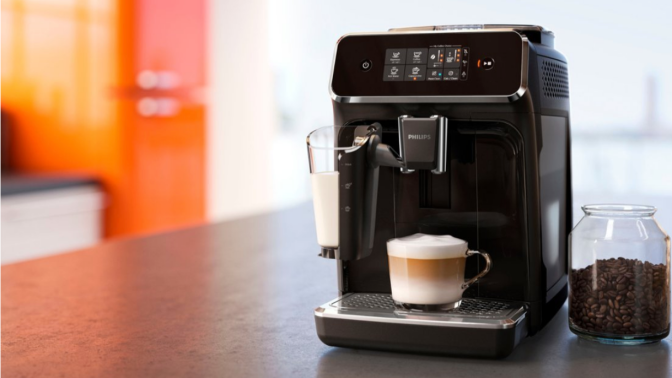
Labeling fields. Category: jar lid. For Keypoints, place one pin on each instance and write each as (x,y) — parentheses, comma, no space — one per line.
(620,210)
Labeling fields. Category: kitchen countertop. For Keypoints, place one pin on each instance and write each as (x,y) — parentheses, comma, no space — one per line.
(236,299)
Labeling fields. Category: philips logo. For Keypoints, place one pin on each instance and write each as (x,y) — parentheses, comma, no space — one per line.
(419,136)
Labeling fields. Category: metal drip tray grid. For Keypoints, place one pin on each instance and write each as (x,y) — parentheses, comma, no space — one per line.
(361,301)
(472,313)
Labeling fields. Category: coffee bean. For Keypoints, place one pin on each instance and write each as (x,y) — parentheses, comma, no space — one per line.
(620,296)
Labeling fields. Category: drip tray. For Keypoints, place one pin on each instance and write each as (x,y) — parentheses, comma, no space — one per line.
(472,313)
(478,327)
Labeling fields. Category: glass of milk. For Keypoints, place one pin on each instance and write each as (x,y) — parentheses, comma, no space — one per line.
(325,146)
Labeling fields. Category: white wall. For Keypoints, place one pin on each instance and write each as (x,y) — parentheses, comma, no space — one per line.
(241,119)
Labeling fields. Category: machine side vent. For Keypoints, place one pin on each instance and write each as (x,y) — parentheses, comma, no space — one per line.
(554,79)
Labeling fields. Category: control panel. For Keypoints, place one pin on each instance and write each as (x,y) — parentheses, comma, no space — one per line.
(435,63)
(429,64)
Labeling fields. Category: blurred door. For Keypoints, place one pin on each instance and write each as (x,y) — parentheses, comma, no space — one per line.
(162,75)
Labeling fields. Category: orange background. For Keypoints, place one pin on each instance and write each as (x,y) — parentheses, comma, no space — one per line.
(69,73)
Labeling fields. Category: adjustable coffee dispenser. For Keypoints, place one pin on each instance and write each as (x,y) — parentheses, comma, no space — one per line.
(445,130)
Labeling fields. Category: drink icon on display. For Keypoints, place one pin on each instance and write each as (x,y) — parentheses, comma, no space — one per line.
(432,57)
(394,70)
(433,73)
(416,54)
(396,54)
(415,70)
(450,73)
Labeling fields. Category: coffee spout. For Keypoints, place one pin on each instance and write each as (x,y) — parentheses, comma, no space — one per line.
(423,143)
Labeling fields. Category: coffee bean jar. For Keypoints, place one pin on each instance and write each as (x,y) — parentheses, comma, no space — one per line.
(619,279)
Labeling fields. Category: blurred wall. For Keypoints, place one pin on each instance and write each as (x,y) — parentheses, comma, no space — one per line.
(241,120)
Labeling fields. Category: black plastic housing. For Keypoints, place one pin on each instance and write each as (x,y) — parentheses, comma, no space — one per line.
(507,191)
(418,145)
(445,341)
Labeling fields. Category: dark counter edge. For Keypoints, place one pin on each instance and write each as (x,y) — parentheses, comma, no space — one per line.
(14,184)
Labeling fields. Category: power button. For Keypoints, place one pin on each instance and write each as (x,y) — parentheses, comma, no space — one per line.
(365,65)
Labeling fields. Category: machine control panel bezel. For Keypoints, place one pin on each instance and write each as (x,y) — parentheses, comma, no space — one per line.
(506,81)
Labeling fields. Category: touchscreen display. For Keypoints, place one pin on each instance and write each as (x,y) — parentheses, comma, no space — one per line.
(434,63)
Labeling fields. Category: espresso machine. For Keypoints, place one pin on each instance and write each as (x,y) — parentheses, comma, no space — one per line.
(450,130)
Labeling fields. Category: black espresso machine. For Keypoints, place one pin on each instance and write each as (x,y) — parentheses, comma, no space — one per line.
(465,132)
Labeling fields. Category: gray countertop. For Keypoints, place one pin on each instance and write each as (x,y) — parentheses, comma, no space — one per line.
(236,299)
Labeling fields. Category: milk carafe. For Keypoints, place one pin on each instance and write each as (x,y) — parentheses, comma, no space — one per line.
(344,163)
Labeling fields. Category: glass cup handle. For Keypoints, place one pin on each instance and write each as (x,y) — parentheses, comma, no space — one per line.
(488,264)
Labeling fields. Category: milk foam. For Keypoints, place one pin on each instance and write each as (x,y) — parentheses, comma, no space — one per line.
(427,247)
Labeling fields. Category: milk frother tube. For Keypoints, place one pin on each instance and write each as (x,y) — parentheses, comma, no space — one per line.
(357,182)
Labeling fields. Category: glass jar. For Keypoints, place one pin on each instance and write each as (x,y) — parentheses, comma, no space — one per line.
(619,283)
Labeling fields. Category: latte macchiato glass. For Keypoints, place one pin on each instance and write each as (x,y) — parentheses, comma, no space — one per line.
(427,271)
